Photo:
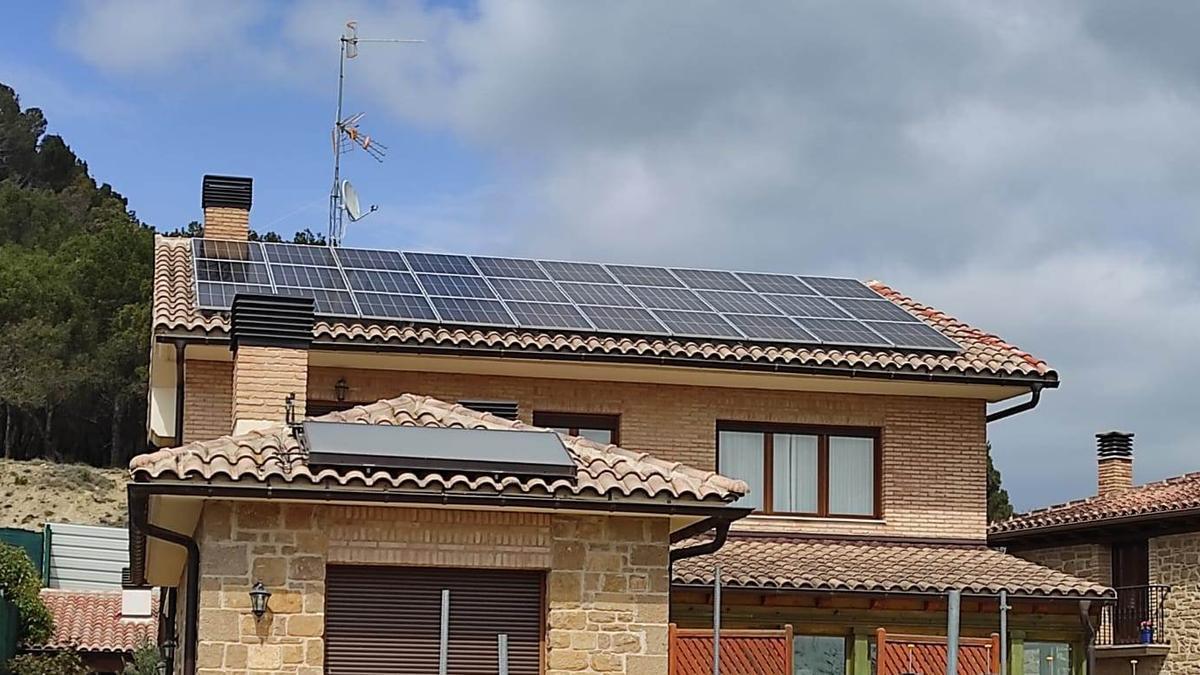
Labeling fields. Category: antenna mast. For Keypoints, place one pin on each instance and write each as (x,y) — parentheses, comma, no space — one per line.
(346,134)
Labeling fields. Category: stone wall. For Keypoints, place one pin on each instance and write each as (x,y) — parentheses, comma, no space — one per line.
(1086,561)
(607,583)
(1175,560)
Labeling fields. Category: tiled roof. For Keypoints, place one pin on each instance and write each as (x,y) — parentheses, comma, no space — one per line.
(1152,500)
(844,565)
(91,621)
(984,355)
(273,454)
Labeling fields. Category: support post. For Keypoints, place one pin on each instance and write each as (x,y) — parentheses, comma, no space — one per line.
(1003,631)
(717,621)
(953,605)
(444,639)
(1016,653)
(502,656)
(862,653)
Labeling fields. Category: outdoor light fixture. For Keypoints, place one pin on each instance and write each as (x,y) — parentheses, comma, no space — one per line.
(259,595)
(341,388)
(168,649)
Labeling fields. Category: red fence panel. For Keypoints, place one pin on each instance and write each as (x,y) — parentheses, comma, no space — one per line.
(743,652)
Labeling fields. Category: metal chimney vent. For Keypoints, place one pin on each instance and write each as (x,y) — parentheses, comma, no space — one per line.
(271,321)
(230,191)
(1114,444)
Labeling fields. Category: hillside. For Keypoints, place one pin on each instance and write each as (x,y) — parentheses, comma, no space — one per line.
(33,492)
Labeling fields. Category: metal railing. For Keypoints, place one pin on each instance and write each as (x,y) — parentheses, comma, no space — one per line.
(1137,608)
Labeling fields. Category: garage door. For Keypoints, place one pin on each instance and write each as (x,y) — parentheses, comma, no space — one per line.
(388,620)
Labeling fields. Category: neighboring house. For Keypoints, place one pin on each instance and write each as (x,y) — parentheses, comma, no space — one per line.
(104,627)
(850,419)
(1144,540)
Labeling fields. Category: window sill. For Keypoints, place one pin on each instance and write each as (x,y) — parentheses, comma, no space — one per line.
(769,517)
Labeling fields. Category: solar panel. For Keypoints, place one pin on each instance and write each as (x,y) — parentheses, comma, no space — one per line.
(556,295)
(455,286)
(307,277)
(696,324)
(731,301)
(395,306)
(547,315)
(769,327)
(623,319)
(807,305)
(881,310)
(381,281)
(574,271)
(527,289)
(775,283)
(472,311)
(371,259)
(840,288)
(636,275)
(841,332)
(598,294)
(669,298)
(216,295)
(328,302)
(516,268)
(710,279)
(440,262)
(299,254)
(913,335)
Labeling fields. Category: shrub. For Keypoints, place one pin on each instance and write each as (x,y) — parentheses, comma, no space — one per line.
(58,663)
(19,583)
(145,661)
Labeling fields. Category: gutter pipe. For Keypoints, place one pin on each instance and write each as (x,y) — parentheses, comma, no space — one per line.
(180,346)
(712,546)
(1035,397)
(192,606)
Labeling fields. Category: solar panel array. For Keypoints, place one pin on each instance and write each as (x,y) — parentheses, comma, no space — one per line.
(440,288)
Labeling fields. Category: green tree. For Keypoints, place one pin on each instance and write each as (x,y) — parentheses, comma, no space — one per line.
(57,663)
(998,506)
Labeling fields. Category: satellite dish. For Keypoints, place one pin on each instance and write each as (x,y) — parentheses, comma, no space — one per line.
(350,201)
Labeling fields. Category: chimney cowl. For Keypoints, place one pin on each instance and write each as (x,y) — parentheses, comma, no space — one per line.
(1115,445)
(236,192)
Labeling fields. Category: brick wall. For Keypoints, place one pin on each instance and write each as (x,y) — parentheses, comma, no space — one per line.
(223,222)
(1114,475)
(1086,561)
(208,400)
(262,379)
(607,586)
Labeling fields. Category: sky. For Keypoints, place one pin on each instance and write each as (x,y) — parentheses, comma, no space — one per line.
(1029,167)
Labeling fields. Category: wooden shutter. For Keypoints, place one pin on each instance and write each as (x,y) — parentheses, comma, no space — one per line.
(387,620)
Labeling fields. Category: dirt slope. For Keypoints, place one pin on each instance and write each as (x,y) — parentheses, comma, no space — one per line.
(34,492)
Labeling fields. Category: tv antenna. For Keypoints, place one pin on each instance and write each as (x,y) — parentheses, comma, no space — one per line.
(343,198)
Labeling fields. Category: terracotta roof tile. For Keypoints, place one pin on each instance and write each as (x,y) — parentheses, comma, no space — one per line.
(841,565)
(1161,499)
(273,454)
(984,355)
(91,621)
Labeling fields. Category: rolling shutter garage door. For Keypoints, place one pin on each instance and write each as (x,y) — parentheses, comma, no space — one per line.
(388,620)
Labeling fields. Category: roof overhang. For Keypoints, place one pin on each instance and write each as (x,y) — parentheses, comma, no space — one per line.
(1107,530)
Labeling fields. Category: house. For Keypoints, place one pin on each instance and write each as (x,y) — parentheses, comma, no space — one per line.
(1144,540)
(105,627)
(820,441)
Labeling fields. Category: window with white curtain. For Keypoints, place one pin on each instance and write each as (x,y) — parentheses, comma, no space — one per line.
(794,470)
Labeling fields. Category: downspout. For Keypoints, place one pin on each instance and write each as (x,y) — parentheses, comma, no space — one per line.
(180,346)
(1089,634)
(712,546)
(1035,397)
(192,608)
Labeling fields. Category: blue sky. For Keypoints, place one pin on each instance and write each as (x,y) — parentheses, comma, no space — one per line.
(1027,166)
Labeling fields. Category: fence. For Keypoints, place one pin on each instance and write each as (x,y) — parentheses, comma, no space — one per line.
(899,654)
(743,652)
(1121,623)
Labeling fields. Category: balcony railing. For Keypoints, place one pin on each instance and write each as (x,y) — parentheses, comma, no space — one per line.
(1136,607)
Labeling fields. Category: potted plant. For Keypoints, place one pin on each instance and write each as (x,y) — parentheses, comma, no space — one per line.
(1147,632)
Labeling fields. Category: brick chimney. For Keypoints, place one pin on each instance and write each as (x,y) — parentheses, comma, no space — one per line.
(1114,462)
(269,336)
(226,201)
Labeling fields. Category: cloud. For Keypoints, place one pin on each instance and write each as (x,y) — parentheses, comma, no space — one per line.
(1029,166)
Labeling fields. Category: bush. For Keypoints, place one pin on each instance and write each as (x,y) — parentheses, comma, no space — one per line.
(58,663)
(20,582)
(145,661)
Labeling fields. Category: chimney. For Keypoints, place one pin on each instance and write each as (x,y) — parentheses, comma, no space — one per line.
(269,338)
(1114,462)
(226,201)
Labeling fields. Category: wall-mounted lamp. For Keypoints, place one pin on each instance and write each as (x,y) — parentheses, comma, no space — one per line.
(341,388)
(168,650)
(259,595)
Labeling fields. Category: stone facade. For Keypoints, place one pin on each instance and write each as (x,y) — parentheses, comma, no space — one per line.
(1086,561)
(1175,561)
(934,449)
(607,584)
(224,222)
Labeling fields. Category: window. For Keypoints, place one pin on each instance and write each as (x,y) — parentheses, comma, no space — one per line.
(817,471)
(819,655)
(1047,658)
(598,428)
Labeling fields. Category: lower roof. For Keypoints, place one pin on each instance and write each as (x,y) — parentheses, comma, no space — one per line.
(803,564)
(91,621)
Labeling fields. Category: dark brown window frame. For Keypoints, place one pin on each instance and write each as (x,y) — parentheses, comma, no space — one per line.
(822,432)
(573,422)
